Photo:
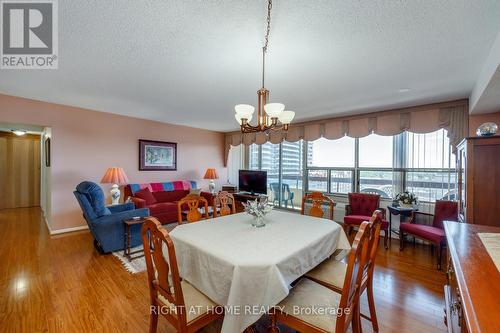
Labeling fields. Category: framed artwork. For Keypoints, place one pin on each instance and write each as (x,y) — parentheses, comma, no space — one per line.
(47,152)
(157,155)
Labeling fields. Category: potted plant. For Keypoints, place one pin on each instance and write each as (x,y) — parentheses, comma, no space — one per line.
(406,199)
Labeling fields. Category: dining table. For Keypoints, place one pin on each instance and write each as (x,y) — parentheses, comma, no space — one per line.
(248,270)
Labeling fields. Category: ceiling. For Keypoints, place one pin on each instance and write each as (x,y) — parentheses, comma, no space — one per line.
(190,62)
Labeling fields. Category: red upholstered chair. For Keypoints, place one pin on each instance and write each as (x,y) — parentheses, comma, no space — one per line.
(432,232)
(360,208)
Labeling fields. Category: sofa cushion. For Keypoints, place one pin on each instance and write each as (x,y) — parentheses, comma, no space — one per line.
(358,219)
(433,234)
(162,207)
(145,194)
(170,196)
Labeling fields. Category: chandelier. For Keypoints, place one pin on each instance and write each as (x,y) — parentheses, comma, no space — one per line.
(270,116)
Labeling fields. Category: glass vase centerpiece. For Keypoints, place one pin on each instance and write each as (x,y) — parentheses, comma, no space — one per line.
(258,208)
(407,200)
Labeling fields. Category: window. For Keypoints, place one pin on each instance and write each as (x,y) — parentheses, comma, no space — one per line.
(376,155)
(376,151)
(284,164)
(430,166)
(341,181)
(317,180)
(253,157)
(386,165)
(331,153)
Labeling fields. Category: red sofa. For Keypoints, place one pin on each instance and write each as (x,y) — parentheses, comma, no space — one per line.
(161,198)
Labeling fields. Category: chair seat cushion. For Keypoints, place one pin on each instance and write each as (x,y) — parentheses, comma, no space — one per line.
(162,207)
(330,272)
(197,304)
(358,219)
(427,232)
(308,294)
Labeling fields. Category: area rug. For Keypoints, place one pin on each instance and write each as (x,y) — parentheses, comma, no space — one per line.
(135,266)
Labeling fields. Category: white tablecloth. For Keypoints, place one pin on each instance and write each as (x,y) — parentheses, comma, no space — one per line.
(249,269)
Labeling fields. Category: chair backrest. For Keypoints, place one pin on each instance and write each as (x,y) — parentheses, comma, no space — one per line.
(91,199)
(351,289)
(376,225)
(191,203)
(444,211)
(163,273)
(363,203)
(317,199)
(226,202)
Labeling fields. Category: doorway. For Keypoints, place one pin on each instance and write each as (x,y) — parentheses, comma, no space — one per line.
(20,164)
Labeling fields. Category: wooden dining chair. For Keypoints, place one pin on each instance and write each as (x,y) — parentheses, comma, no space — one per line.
(226,202)
(306,294)
(318,199)
(331,273)
(186,308)
(189,205)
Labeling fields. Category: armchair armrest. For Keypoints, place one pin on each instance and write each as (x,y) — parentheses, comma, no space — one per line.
(138,202)
(415,214)
(348,210)
(384,212)
(121,208)
(120,216)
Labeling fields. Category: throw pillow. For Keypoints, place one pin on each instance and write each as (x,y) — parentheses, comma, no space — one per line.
(146,195)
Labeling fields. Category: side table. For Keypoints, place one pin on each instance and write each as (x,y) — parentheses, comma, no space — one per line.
(403,212)
(127,224)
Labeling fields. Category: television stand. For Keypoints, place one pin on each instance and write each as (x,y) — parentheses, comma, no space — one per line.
(241,197)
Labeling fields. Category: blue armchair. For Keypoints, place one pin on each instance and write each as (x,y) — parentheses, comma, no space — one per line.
(106,223)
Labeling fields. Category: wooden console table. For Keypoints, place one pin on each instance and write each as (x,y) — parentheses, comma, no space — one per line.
(472,294)
(244,197)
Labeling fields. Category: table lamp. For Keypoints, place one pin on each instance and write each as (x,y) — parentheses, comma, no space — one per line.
(211,174)
(115,176)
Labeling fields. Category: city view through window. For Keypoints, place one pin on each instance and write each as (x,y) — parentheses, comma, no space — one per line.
(386,165)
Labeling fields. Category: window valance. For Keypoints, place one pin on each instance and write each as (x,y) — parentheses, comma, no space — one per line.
(452,116)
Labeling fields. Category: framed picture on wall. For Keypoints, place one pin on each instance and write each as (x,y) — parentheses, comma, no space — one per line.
(47,152)
(157,155)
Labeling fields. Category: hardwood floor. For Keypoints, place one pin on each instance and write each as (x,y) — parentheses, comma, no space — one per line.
(61,284)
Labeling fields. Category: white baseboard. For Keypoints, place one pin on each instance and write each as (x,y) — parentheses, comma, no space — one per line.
(65,230)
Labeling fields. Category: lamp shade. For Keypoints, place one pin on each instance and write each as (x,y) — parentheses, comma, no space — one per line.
(114,176)
(286,117)
(211,174)
(273,110)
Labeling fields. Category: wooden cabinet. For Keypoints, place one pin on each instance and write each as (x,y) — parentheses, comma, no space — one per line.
(478,167)
(472,294)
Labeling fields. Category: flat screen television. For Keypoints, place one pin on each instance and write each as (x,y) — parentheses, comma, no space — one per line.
(253,181)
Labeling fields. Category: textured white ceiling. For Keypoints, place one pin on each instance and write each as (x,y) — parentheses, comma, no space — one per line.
(190,62)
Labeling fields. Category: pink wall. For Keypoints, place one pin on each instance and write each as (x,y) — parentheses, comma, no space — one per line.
(85,143)
(476,120)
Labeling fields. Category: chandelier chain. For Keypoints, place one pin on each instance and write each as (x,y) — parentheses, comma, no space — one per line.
(268,29)
(266,40)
